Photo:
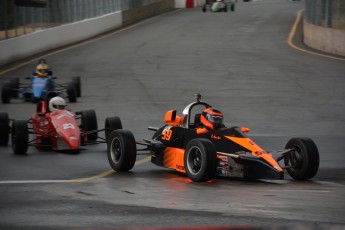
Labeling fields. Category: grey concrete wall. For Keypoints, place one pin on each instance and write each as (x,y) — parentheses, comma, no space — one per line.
(136,14)
(325,39)
(40,41)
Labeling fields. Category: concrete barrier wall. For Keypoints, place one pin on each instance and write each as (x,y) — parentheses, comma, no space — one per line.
(40,41)
(325,39)
(136,14)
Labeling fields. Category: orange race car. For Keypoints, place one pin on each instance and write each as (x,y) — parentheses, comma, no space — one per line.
(197,143)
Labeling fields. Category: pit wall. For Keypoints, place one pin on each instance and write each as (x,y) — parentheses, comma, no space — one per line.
(137,14)
(325,39)
(41,41)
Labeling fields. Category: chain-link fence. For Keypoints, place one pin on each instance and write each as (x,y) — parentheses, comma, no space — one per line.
(326,13)
(19,20)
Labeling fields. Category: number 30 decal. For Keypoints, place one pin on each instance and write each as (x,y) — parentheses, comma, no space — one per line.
(68,126)
(167,133)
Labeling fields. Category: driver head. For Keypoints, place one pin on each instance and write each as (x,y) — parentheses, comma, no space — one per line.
(57,103)
(212,118)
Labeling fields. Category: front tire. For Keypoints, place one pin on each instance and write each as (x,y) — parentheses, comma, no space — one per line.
(121,150)
(303,162)
(20,137)
(77,85)
(71,92)
(200,160)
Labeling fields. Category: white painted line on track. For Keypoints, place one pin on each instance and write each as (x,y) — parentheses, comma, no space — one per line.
(33,181)
(300,190)
(103,174)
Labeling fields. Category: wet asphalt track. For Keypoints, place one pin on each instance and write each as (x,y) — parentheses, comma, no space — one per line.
(240,62)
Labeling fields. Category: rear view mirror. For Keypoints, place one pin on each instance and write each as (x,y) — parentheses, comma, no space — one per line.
(171,118)
(245,130)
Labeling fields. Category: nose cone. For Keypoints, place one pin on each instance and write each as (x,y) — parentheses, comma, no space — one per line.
(73,142)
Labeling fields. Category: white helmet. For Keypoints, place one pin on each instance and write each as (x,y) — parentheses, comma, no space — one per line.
(57,103)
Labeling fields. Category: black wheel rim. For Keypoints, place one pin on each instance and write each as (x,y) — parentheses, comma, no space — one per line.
(194,160)
(295,159)
(115,150)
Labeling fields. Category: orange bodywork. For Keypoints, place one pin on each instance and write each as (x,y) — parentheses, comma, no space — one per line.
(256,150)
(174,159)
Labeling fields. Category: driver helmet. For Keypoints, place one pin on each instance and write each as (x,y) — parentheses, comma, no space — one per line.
(42,70)
(57,103)
(212,118)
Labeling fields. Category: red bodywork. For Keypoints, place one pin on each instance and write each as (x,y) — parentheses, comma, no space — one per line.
(58,130)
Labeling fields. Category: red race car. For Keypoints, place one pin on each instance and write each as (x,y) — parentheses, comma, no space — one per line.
(55,128)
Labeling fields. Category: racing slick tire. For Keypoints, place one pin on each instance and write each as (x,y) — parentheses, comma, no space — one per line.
(204,9)
(49,96)
(77,84)
(200,160)
(121,150)
(89,123)
(6,93)
(111,124)
(303,162)
(232,7)
(20,137)
(14,84)
(71,92)
(4,128)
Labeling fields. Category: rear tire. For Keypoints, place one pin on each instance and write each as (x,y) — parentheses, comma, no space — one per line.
(303,162)
(111,124)
(71,92)
(121,150)
(89,123)
(200,160)
(4,129)
(6,93)
(77,85)
(20,137)
(14,84)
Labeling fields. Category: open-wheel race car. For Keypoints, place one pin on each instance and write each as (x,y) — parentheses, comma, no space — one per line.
(198,144)
(42,86)
(55,128)
(218,6)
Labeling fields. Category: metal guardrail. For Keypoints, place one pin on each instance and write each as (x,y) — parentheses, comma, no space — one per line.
(326,13)
(18,20)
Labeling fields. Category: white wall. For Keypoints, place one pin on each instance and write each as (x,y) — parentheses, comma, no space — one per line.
(40,41)
(180,3)
(326,39)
